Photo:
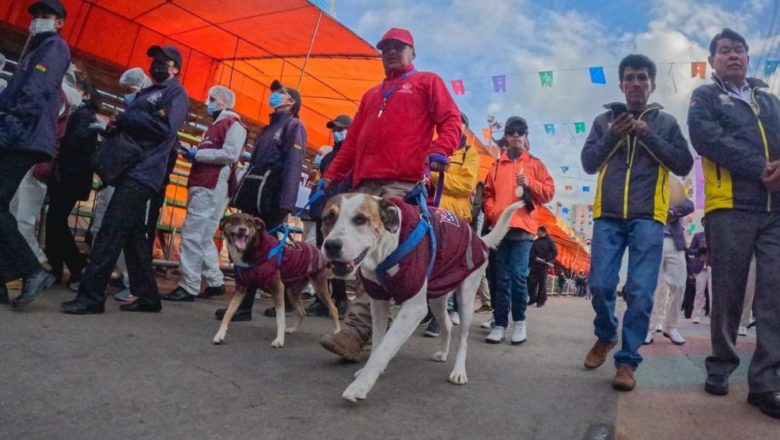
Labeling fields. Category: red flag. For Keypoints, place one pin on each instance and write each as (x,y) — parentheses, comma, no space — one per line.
(457,87)
(698,68)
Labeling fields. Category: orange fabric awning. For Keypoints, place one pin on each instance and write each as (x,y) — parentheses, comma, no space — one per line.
(242,44)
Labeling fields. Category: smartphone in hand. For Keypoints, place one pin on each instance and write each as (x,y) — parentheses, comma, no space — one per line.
(618,109)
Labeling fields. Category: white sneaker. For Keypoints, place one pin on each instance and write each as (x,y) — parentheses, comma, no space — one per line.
(496,335)
(649,338)
(675,337)
(696,320)
(518,334)
(659,328)
(455,318)
(488,324)
(742,330)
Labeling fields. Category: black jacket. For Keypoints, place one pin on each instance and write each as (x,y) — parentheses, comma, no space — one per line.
(545,249)
(633,170)
(73,168)
(735,140)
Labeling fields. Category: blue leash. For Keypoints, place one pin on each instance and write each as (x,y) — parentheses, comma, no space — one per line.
(278,250)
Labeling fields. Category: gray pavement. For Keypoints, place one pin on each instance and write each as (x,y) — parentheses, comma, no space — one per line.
(123,375)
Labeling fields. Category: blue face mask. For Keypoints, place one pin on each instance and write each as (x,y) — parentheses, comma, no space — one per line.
(128,98)
(275,100)
(339,136)
(211,108)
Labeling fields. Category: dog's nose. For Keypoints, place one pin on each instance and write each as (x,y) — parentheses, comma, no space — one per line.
(242,230)
(332,248)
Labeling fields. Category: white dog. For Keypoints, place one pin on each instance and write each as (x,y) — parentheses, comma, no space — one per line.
(361,231)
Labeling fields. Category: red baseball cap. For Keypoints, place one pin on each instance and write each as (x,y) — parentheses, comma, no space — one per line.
(402,35)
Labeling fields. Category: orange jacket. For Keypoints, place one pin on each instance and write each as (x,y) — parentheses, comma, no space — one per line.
(499,191)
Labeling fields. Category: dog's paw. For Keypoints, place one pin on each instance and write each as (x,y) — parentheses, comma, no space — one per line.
(290,330)
(356,391)
(439,356)
(277,343)
(458,377)
(218,339)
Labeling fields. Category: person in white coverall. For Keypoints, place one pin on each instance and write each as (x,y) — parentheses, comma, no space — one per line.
(30,196)
(212,169)
(131,81)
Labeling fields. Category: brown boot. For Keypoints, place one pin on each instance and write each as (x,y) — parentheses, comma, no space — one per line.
(345,344)
(598,354)
(624,379)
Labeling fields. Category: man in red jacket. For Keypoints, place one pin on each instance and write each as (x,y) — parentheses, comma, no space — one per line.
(389,146)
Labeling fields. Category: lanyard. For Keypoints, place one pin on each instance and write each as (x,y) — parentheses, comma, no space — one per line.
(387,94)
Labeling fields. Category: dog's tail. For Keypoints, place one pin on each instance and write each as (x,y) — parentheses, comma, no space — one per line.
(494,237)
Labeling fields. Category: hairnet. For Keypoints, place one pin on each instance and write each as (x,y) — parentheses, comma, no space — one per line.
(224,95)
(135,78)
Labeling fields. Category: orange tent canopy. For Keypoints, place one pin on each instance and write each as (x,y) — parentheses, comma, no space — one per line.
(242,44)
(571,253)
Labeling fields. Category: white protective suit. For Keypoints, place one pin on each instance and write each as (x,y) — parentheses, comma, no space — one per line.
(205,208)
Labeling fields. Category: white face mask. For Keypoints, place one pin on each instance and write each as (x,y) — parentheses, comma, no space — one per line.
(40,25)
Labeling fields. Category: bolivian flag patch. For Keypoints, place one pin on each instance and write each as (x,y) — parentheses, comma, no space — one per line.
(41,68)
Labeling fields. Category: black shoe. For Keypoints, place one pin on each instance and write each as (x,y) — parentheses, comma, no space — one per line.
(427,320)
(432,331)
(3,293)
(271,311)
(768,403)
(241,315)
(140,305)
(211,292)
(717,385)
(179,294)
(79,307)
(32,287)
(539,305)
(317,308)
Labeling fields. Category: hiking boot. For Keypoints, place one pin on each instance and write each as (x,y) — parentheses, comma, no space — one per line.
(345,344)
(598,354)
(624,379)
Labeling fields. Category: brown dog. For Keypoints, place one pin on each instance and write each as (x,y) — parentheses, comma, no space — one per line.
(249,245)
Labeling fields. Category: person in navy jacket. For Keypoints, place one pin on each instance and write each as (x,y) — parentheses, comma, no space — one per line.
(29,108)
(152,120)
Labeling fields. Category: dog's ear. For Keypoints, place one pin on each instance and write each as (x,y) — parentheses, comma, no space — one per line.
(259,224)
(223,223)
(390,216)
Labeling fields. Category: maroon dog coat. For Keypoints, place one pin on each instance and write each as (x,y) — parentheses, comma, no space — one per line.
(460,251)
(299,260)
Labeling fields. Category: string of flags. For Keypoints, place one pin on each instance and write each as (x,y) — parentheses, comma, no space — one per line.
(598,77)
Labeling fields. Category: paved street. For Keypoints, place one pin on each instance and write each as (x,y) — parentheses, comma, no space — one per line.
(123,376)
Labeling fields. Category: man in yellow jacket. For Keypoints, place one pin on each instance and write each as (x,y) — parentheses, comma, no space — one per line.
(461,177)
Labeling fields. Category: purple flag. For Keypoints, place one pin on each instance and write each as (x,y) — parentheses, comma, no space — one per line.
(499,83)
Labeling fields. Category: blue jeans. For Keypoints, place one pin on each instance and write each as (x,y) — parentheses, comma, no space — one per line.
(511,280)
(644,240)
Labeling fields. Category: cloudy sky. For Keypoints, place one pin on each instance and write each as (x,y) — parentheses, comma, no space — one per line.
(474,40)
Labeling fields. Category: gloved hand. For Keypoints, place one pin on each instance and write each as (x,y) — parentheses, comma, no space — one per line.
(438,162)
(190,153)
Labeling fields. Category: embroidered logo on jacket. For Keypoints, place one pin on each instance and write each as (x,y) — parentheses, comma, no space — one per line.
(725,99)
(447,217)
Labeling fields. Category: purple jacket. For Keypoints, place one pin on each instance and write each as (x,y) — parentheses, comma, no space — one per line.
(674,226)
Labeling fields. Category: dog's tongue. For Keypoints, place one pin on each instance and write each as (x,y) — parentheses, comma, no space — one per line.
(241,243)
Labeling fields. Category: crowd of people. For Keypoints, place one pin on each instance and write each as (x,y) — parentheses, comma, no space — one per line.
(407,129)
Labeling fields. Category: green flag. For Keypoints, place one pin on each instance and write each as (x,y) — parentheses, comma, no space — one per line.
(579,127)
(546,78)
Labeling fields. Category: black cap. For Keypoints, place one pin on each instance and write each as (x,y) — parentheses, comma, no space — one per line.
(52,5)
(169,52)
(276,86)
(341,121)
(516,123)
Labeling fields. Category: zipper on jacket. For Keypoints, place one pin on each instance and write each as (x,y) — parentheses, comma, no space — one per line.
(756,112)
(630,163)
(663,184)
(717,173)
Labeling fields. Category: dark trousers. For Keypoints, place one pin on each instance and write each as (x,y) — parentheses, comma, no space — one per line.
(123,229)
(733,237)
(537,284)
(17,260)
(60,243)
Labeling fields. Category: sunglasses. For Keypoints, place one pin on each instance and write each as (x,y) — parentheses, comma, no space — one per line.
(514,132)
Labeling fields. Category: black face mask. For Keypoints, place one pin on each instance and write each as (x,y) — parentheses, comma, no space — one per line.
(159,71)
